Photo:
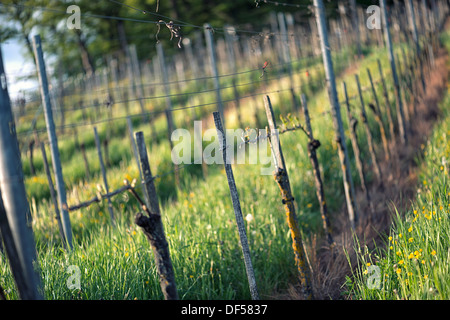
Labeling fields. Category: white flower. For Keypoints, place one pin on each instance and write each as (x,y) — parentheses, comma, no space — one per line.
(249,218)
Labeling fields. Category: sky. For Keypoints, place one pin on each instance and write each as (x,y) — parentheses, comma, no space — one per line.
(17,65)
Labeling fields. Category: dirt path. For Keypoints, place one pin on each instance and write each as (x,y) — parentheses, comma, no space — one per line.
(400,184)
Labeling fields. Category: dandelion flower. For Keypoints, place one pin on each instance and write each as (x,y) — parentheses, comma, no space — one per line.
(401,262)
(368,264)
(410,229)
(433,253)
(398,271)
(410,239)
(425,277)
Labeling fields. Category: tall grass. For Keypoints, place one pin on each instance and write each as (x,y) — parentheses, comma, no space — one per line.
(413,262)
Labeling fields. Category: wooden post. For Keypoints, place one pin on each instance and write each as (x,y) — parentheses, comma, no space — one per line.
(212,59)
(378,117)
(133,146)
(85,160)
(15,216)
(153,227)
(353,122)
(282,178)
(53,194)
(313,145)
(105,180)
(53,140)
(237,207)
(399,104)
(387,103)
(376,167)
(336,113)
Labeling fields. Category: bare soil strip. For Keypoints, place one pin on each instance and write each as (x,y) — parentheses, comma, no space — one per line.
(330,267)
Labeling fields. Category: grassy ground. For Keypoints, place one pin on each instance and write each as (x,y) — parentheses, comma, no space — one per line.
(413,261)
(117,263)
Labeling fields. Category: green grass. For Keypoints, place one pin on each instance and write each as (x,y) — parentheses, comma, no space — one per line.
(414,259)
(117,262)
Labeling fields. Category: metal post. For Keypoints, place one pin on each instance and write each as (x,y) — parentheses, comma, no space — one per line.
(15,212)
(53,140)
(336,113)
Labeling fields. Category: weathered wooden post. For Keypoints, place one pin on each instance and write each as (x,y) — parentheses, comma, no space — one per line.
(237,207)
(353,122)
(378,117)
(313,145)
(15,215)
(153,227)
(387,103)
(105,180)
(85,160)
(375,165)
(282,178)
(53,140)
(336,113)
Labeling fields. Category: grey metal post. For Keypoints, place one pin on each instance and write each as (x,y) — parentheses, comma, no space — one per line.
(399,103)
(212,59)
(336,113)
(15,211)
(53,140)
